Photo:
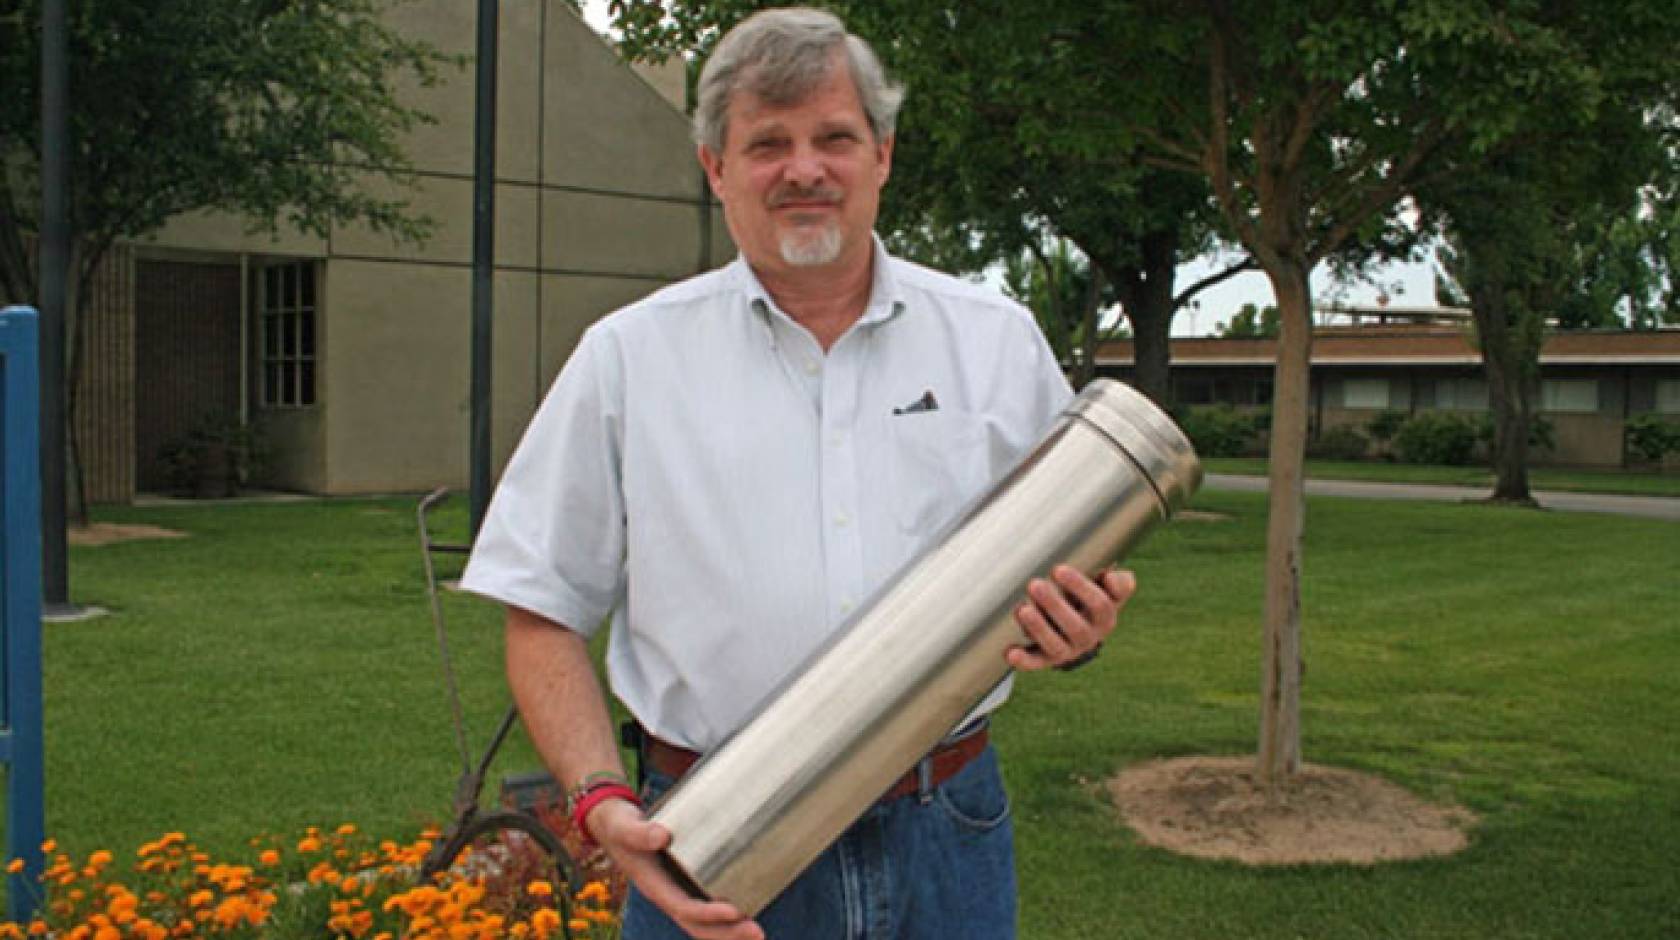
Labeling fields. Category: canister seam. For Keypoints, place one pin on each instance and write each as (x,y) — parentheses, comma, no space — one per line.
(1155,488)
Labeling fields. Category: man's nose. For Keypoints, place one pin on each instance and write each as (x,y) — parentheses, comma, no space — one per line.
(805,167)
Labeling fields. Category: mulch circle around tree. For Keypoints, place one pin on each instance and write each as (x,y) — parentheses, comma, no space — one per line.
(1215,807)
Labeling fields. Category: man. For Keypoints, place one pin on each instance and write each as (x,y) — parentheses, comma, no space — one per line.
(731,466)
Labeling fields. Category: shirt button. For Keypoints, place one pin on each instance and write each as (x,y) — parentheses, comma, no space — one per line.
(846,605)
(841,519)
(811,366)
(837,440)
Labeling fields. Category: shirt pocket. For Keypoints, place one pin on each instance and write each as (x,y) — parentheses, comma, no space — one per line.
(938,464)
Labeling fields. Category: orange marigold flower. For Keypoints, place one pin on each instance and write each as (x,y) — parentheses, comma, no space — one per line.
(37,928)
(107,933)
(539,889)
(270,858)
(50,846)
(578,925)
(100,858)
(309,844)
(14,866)
(201,897)
(545,921)
(348,829)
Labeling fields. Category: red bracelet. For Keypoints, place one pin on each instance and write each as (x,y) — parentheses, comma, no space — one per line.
(595,796)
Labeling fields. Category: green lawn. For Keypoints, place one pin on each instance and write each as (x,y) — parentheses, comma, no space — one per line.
(1540,478)
(275,670)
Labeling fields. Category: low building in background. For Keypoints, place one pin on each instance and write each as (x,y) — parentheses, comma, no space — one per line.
(1591,381)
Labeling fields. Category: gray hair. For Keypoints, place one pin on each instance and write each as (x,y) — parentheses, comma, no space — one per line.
(782,56)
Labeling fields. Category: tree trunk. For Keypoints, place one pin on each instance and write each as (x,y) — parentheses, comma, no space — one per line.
(1505,361)
(1145,289)
(1280,681)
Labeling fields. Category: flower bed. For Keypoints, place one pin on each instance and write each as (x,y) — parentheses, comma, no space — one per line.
(327,884)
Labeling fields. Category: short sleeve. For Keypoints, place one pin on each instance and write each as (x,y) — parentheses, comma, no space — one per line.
(552,540)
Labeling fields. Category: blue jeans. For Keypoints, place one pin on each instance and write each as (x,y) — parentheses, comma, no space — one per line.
(930,866)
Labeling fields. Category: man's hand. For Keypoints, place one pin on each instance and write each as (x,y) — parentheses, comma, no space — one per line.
(1068,615)
(634,844)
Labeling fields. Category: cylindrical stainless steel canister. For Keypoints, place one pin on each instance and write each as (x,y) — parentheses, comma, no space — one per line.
(913,663)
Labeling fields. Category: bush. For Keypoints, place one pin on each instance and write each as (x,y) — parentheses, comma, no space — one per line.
(1385,425)
(1436,437)
(1223,431)
(1652,437)
(1342,442)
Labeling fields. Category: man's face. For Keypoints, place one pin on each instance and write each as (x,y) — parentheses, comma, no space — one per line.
(800,184)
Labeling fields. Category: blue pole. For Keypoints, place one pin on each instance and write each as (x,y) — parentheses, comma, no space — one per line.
(20,603)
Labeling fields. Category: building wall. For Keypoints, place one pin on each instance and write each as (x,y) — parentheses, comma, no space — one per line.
(105,394)
(1587,419)
(599,201)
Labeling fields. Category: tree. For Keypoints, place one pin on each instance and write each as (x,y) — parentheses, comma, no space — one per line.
(1529,235)
(1313,122)
(286,113)
(1067,294)
(1251,322)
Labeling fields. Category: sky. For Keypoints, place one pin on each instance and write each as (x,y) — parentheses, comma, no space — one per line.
(1406,285)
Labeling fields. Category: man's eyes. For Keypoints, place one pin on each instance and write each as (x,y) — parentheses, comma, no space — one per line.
(831,140)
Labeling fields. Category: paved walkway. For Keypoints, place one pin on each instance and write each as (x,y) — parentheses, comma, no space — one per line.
(1648,507)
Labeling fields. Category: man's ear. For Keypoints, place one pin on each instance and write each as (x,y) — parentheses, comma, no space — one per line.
(883,153)
(713,165)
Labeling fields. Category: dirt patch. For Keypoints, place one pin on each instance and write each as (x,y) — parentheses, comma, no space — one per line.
(107,533)
(1201,515)
(1213,807)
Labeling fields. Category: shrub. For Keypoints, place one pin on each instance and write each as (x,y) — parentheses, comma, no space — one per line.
(1383,427)
(1652,437)
(1437,437)
(1222,431)
(1342,442)
(1542,434)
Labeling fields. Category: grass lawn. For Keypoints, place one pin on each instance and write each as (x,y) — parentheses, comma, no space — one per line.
(1540,478)
(275,670)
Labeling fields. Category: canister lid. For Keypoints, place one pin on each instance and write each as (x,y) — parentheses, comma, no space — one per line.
(1140,428)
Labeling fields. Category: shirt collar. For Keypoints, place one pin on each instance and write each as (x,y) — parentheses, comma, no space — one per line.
(885,298)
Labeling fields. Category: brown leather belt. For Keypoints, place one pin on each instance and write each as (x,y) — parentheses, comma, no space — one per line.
(672,761)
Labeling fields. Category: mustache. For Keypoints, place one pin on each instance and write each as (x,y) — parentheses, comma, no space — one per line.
(787,193)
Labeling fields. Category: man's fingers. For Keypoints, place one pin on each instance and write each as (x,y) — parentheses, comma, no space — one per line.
(1120,585)
(1073,624)
(1049,641)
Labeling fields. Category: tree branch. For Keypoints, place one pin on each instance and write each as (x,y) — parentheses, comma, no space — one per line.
(1183,297)
(1379,197)
(1216,158)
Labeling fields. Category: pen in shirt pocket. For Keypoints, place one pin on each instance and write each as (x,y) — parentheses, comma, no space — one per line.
(925,403)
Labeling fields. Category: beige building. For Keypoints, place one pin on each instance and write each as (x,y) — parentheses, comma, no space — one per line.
(349,354)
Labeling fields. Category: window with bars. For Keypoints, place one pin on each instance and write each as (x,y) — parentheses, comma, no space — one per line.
(286,306)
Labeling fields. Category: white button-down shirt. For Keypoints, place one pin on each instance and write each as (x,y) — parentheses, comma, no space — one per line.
(702,472)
